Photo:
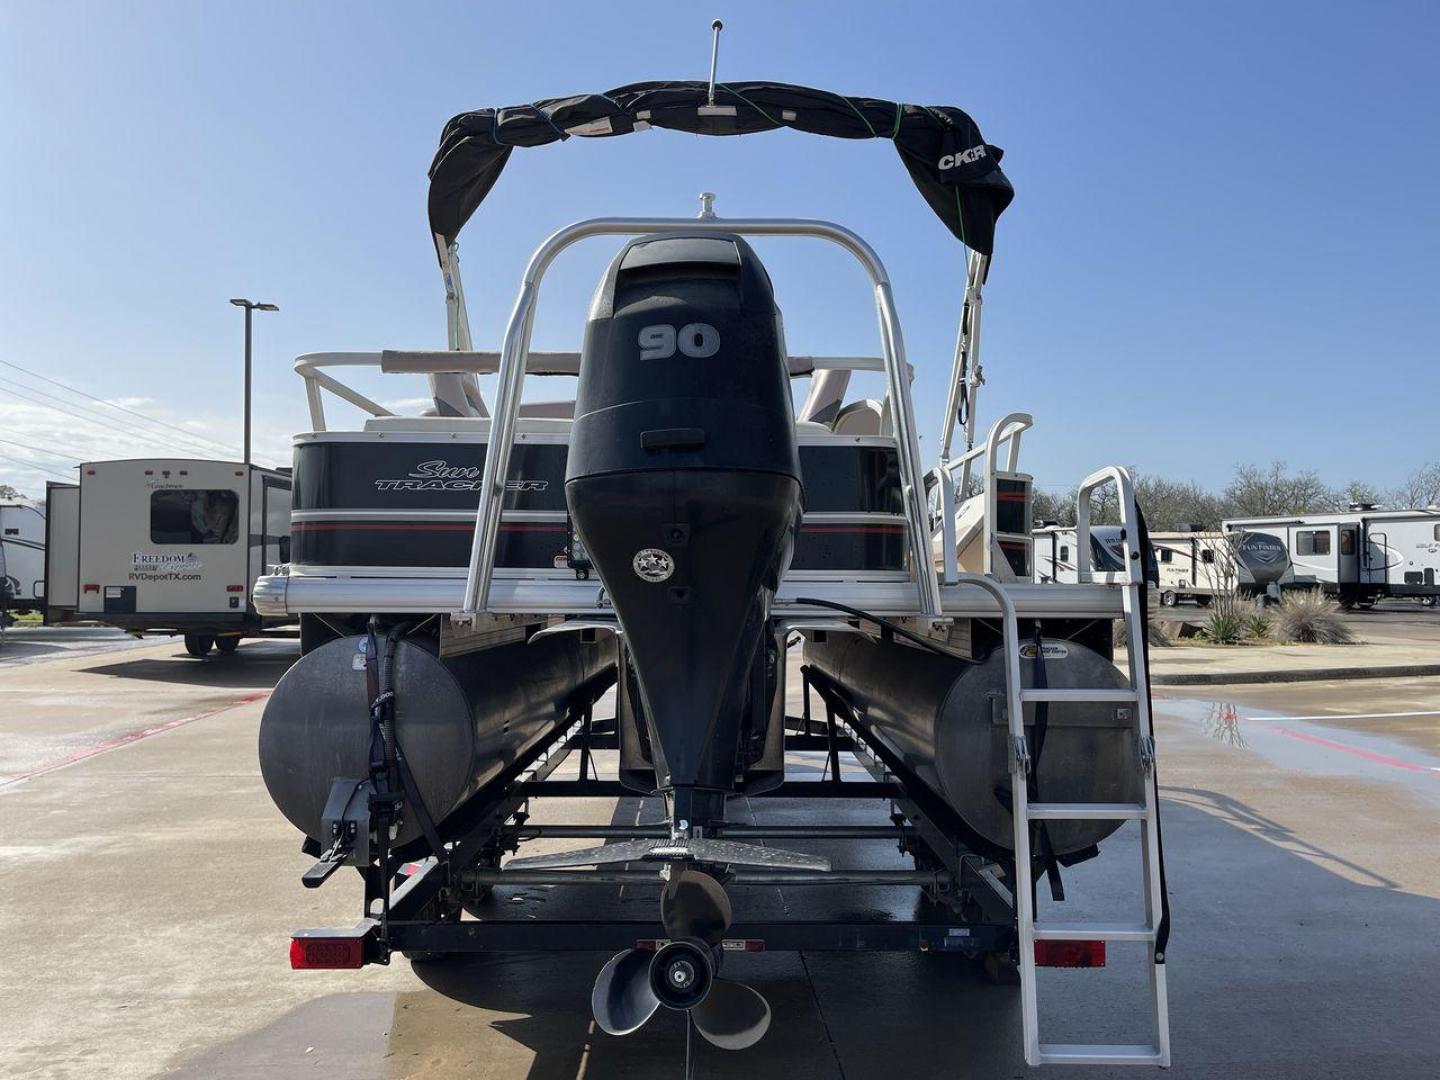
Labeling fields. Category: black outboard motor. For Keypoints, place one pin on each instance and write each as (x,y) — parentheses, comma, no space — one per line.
(683,483)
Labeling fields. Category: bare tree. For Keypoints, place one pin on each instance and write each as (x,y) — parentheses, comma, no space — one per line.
(1358,492)
(1049,506)
(1257,492)
(1421,488)
(8,492)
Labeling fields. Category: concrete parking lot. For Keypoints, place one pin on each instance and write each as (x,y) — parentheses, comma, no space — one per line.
(151,888)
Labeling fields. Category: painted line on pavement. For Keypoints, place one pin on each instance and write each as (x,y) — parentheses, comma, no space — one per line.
(128,738)
(1351,716)
(1368,755)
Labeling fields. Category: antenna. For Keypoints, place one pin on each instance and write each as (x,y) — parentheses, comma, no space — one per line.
(715,28)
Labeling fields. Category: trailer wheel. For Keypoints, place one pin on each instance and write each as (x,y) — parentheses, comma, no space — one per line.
(1168,598)
(198,645)
(1427,601)
(228,643)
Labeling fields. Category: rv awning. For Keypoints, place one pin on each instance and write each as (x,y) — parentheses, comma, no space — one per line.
(956,171)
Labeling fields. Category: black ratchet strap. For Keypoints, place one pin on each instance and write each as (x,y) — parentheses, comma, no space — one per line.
(1042,722)
(390,768)
(1162,931)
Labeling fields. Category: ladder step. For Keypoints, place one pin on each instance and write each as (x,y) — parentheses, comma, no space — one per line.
(1058,931)
(1099,1054)
(1097,694)
(1085,811)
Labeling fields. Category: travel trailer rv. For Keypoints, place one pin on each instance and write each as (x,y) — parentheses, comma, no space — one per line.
(1056,549)
(22,557)
(1358,556)
(62,552)
(174,545)
(1193,566)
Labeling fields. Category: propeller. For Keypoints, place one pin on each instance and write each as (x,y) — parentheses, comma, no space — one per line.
(681,975)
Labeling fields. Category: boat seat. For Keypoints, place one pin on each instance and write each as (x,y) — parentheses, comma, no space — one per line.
(811,427)
(865,417)
(468,425)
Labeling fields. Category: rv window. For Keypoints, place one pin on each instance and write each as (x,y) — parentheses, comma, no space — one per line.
(1437,532)
(1312,543)
(1347,541)
(192,516)
(1065,548)
(1207,556)
(1166,555)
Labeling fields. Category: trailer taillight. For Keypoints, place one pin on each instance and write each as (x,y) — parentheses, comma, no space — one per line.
(1071,954)
(234,588)
(308,953)
(92,588)
(328,949)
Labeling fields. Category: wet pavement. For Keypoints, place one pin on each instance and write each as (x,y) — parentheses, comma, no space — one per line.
(27,644)
(150,890)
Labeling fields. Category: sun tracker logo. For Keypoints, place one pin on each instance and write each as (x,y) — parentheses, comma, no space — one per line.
(965,157)
(440,475)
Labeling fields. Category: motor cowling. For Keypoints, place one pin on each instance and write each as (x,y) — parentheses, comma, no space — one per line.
(683,482)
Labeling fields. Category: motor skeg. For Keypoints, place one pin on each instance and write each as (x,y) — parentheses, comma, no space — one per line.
(683,482)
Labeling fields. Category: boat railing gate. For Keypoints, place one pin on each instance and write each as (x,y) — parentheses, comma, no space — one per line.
(1005,433)
(516,346)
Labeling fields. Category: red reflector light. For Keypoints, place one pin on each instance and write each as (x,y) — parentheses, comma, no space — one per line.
(92,588)
(234,588)
(317,952)
(1071,954)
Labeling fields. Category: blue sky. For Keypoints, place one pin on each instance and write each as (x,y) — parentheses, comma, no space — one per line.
(1224,247)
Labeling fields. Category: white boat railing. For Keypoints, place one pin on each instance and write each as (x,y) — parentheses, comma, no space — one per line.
(1006,434)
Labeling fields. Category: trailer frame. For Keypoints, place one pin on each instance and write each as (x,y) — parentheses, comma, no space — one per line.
(416,910)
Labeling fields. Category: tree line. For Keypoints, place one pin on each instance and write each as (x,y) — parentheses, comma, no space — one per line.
(1254,491)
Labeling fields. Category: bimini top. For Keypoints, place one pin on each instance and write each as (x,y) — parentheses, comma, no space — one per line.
(954,168)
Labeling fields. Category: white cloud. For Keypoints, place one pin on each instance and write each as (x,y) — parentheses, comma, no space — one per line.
(41,444)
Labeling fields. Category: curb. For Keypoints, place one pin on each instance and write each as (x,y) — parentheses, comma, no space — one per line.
(1399,671)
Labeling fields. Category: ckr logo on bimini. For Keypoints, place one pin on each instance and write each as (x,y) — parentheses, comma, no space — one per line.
(967,157)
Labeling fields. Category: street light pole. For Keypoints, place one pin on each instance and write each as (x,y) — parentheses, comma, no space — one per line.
(250,306)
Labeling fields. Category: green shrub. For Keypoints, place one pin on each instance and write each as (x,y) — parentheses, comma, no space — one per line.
(1226,625)
(1310,617)
(1258,623)
(1227,621)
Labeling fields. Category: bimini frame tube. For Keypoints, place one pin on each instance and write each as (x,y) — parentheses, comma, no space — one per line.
(966,377)
(457,392)
(517,345)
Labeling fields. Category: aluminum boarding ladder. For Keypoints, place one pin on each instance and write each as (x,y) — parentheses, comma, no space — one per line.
(1137,695)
